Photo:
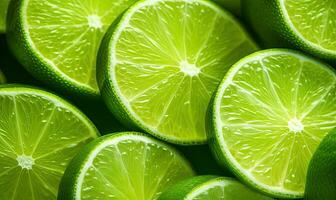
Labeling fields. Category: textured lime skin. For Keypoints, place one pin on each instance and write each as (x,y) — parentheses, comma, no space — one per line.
(267,20)
(181,189)
(216,146)
(19,44)
(69,182)
(321,182)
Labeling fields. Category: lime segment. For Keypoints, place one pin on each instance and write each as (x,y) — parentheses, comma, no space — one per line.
(39,134)
(163,61)
(123,166)
(60,39)
(210,188)
(269,115)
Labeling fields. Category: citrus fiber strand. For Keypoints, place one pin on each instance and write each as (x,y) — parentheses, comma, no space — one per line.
(18,124)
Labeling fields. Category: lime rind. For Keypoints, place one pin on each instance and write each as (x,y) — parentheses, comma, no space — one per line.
(71,184)
(108,81)
(217,142)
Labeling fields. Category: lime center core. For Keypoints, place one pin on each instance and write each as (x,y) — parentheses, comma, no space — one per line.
(94,21)
(295,125)
(189,69)
(25,162)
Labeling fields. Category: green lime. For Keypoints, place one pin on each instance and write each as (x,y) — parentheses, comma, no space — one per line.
(160,65)
(3,14)
(39,134)
(57,41)
(2,78)
(268,117)
(321,182)
(211,188)
(123,166)
(309,25)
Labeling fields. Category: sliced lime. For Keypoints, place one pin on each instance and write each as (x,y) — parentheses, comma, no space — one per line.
(57,41)
(123,166)
(321,182)
(3,13)
(269,115)
(163,61)
(211,188)
(309,25)
(231,5)
(39,135)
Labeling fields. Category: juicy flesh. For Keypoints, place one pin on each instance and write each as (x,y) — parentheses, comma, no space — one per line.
(274,113)
(315,20)
(170,57)
(133,169)
(68,33)
(37,140)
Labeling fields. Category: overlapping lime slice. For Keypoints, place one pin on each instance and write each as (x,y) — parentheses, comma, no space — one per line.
(57,41)
(123,166)
(39,134)
(160,65)
(3,14)
(211,188)
(269,115)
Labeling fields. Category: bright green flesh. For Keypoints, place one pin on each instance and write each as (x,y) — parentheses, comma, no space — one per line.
(223,189)
(41,126)
(3,14)
(62,35)
(130,166)
(256,102)
(314,20)
(168,57)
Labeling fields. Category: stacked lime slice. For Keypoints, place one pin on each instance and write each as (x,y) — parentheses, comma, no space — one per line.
(39,135)
(123,166)
(321,182)
(269,115)
(160,65)
(3,14)
(307,25)
(211,188)
(57,41)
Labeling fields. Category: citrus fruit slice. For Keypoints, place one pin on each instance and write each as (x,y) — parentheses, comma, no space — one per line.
(160,65)
(321,183)
(3,14)
(57,41)
(2,78)
(122,166)
(268,117)
(39,134)
(309,25)
(210,188)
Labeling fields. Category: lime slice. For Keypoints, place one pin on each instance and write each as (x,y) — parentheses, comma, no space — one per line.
(306,25)
(269,115)
(210,188)
(123,166)
(39,135)
(321,183)
(2,78)
(3,13)
(160,65)
(57,41)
